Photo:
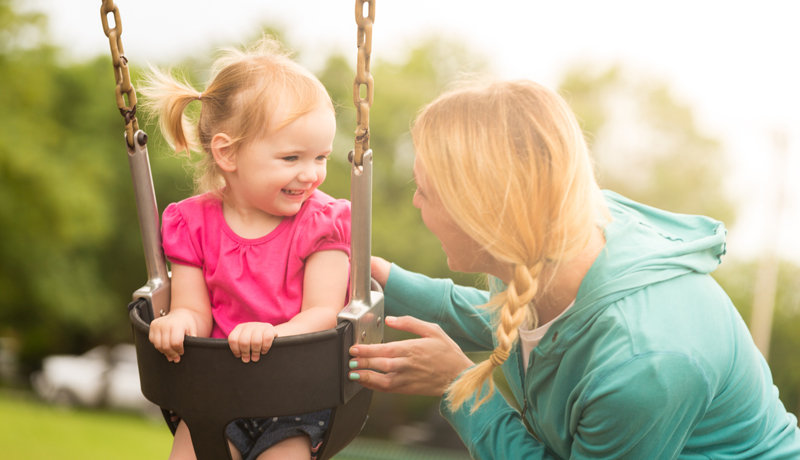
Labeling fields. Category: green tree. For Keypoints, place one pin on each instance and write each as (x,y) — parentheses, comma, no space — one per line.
(53,185)
(646,142)
(70,255)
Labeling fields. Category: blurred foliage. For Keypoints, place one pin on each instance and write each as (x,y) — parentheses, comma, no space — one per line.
(70,255)
(57,201)
(646,143)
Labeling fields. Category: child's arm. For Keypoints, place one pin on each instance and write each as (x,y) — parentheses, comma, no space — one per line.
(324,291)
(190,312)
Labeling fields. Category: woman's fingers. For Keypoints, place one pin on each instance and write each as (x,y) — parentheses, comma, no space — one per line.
(425,365)
(379,364)
(376,381)
(414,326)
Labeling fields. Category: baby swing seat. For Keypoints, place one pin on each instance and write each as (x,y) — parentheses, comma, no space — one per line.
(210,387)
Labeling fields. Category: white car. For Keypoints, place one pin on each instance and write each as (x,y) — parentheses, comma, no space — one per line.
(101,377)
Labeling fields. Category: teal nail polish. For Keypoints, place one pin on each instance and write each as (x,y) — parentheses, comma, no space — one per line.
(354,376)
(353,364)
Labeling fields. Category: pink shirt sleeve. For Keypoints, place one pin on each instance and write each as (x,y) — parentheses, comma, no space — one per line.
(326,228)
(179,246)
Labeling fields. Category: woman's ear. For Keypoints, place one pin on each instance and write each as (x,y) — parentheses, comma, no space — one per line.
(223,152)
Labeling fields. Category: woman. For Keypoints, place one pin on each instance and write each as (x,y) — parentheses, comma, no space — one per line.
(613,337)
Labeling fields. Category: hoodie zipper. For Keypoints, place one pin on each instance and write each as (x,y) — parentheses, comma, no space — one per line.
(524,412)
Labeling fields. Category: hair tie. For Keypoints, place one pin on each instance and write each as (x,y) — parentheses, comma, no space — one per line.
(199,96)
(498,357)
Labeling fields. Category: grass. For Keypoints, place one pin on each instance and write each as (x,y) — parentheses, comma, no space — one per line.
(32,430)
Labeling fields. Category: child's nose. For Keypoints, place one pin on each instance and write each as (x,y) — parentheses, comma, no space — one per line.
(308,174)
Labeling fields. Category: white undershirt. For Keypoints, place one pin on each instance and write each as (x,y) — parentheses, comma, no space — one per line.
(529,338)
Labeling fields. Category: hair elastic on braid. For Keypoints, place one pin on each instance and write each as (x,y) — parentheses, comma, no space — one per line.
(498,357)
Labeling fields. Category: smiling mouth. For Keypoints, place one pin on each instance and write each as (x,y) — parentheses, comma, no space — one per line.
(293,192)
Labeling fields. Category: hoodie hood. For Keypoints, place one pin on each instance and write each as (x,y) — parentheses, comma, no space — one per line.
(646,245)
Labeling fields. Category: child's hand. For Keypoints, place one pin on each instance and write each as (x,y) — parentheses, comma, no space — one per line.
(249,341)
(167,333)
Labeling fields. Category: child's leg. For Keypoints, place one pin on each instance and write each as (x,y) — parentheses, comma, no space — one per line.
(235,455)
(182,448)
(294,448)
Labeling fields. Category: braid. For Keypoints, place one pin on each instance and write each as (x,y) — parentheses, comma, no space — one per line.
(513,311)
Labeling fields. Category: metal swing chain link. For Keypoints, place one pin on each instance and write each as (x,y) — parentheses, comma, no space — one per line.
(121,74)
(363,78)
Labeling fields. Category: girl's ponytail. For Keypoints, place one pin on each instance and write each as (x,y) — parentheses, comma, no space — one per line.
(167,98)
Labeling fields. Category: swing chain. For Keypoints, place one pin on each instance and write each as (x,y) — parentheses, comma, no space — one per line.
(363,80)
(122,76)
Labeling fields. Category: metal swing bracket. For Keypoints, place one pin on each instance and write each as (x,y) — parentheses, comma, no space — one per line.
(157,288)
(365,309)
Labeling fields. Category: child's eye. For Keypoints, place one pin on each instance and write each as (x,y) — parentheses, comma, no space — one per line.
(322,158)
(290,158)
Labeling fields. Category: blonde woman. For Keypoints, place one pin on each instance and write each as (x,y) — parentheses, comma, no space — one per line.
(614,339)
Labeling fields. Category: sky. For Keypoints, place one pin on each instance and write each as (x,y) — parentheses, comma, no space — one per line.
(734,62)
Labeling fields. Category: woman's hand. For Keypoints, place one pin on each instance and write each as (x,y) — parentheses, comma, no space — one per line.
(167,332)
(249,341)
(422,366)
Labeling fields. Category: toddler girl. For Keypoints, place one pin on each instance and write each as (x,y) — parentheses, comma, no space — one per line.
(260,252)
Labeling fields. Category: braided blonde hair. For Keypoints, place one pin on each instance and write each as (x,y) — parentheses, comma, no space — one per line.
(246,89)
(510,164)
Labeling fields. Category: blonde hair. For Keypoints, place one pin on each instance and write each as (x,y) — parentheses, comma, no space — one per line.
(246,89)
(510,164)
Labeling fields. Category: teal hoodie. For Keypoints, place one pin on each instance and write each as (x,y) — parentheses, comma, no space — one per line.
(652,361)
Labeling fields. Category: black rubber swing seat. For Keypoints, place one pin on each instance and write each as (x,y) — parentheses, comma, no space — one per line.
(209,387)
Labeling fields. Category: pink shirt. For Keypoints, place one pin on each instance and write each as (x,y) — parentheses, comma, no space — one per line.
(257,279)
